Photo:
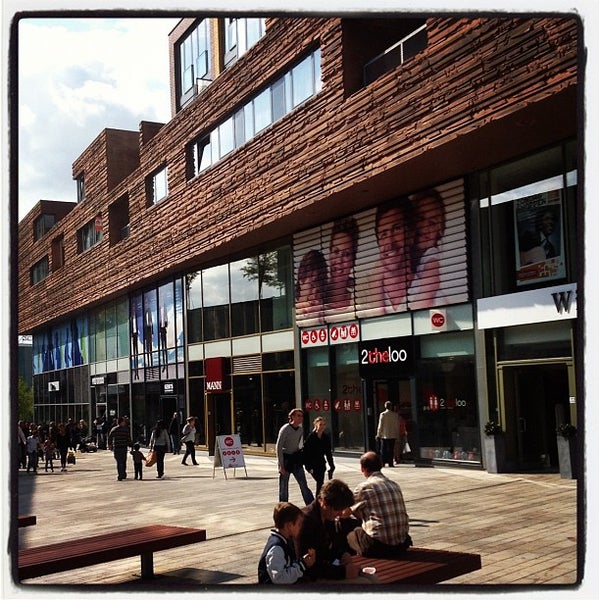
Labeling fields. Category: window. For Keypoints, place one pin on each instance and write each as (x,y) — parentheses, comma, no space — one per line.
(194,65)
(90,234)
(118,220)
(58,252)
(40,270)
(526,210)
(271,104)
(215,302)
(396,55)
(80,188)
(240,35)
(42,225)
(157,186)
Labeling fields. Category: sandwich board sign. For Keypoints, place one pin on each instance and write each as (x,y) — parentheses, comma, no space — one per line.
(229,454)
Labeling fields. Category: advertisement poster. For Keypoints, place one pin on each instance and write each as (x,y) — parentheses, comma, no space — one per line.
(539,242)
(406,254)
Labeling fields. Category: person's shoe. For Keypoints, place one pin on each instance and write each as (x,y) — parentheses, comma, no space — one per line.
(184,463)
(195,463)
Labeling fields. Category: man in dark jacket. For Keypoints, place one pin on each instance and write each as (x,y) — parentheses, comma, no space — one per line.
(119,440)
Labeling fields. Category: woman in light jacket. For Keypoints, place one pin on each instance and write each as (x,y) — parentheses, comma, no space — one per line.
(161,444)
(188,436)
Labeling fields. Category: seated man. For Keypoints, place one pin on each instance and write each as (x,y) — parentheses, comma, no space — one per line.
(319,531)
(380,506)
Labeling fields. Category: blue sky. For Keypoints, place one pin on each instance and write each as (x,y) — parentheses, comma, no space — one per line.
(75,78)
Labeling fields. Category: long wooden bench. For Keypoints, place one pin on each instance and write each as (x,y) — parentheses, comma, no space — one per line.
(125,543)
(420,566)
(26,520)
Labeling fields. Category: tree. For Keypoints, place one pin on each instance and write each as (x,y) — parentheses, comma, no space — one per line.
(25,401)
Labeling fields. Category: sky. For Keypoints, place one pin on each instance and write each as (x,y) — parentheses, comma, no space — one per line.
(77,77)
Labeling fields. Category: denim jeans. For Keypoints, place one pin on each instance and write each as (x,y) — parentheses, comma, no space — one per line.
(284,484)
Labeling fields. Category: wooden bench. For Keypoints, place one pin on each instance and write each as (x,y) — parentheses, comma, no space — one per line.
(420,566)
(26,520)
(125,543)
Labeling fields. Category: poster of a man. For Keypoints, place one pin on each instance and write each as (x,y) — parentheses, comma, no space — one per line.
(539,243)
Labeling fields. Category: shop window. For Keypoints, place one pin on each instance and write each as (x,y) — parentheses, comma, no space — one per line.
(527,223)
(42,225)
(215,302)
(245,280)
(278,400)
(90,234)
(276,289)
(447,405)
(40,270)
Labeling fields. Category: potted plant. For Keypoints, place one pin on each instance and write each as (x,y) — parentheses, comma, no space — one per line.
(494,447)
(566,437)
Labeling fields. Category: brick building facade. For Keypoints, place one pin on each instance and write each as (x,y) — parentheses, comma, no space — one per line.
(174,284)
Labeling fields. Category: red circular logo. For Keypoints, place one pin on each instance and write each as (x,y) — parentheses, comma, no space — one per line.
(229,441)
(438,320)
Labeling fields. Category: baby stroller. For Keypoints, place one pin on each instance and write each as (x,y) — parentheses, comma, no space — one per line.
(88,444)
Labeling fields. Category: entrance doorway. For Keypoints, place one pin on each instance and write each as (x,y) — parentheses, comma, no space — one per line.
(218,418)
(535,398)
(399,393)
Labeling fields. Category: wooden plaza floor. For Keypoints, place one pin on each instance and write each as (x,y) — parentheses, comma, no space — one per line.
(523,526)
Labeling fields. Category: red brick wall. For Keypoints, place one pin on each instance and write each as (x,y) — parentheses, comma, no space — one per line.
(452,109)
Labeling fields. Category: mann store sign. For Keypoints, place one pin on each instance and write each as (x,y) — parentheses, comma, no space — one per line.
(386,358)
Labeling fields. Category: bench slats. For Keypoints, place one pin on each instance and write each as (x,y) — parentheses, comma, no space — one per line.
(74,554)
(420,566)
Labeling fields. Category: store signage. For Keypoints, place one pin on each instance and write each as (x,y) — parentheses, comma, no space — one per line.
(54,386)
(317,336)
(438,319)
(98,380)
(215,374)
(556,303)
(386,357)
(344,333)
(168,387)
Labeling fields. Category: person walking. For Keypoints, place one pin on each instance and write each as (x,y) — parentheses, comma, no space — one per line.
(188,437)
(62,445)
(174,430)
(161,444)
(138,462)
(289,457)
(22,441)
(387,432)
(317,448)
(119,439)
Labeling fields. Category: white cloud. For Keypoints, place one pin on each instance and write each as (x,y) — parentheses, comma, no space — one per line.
(77,77)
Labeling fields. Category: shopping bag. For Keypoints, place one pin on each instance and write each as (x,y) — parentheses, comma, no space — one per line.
(151,458)
(71,457)
(406,448)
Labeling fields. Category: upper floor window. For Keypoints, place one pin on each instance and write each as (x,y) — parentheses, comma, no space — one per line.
(58,252)
(194,61)
(40,270)
(240,35)
(527,215)
(397,54)
(42,225)
(80,188)
(289,91)
(90,234)
(118,220)
(157,186)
